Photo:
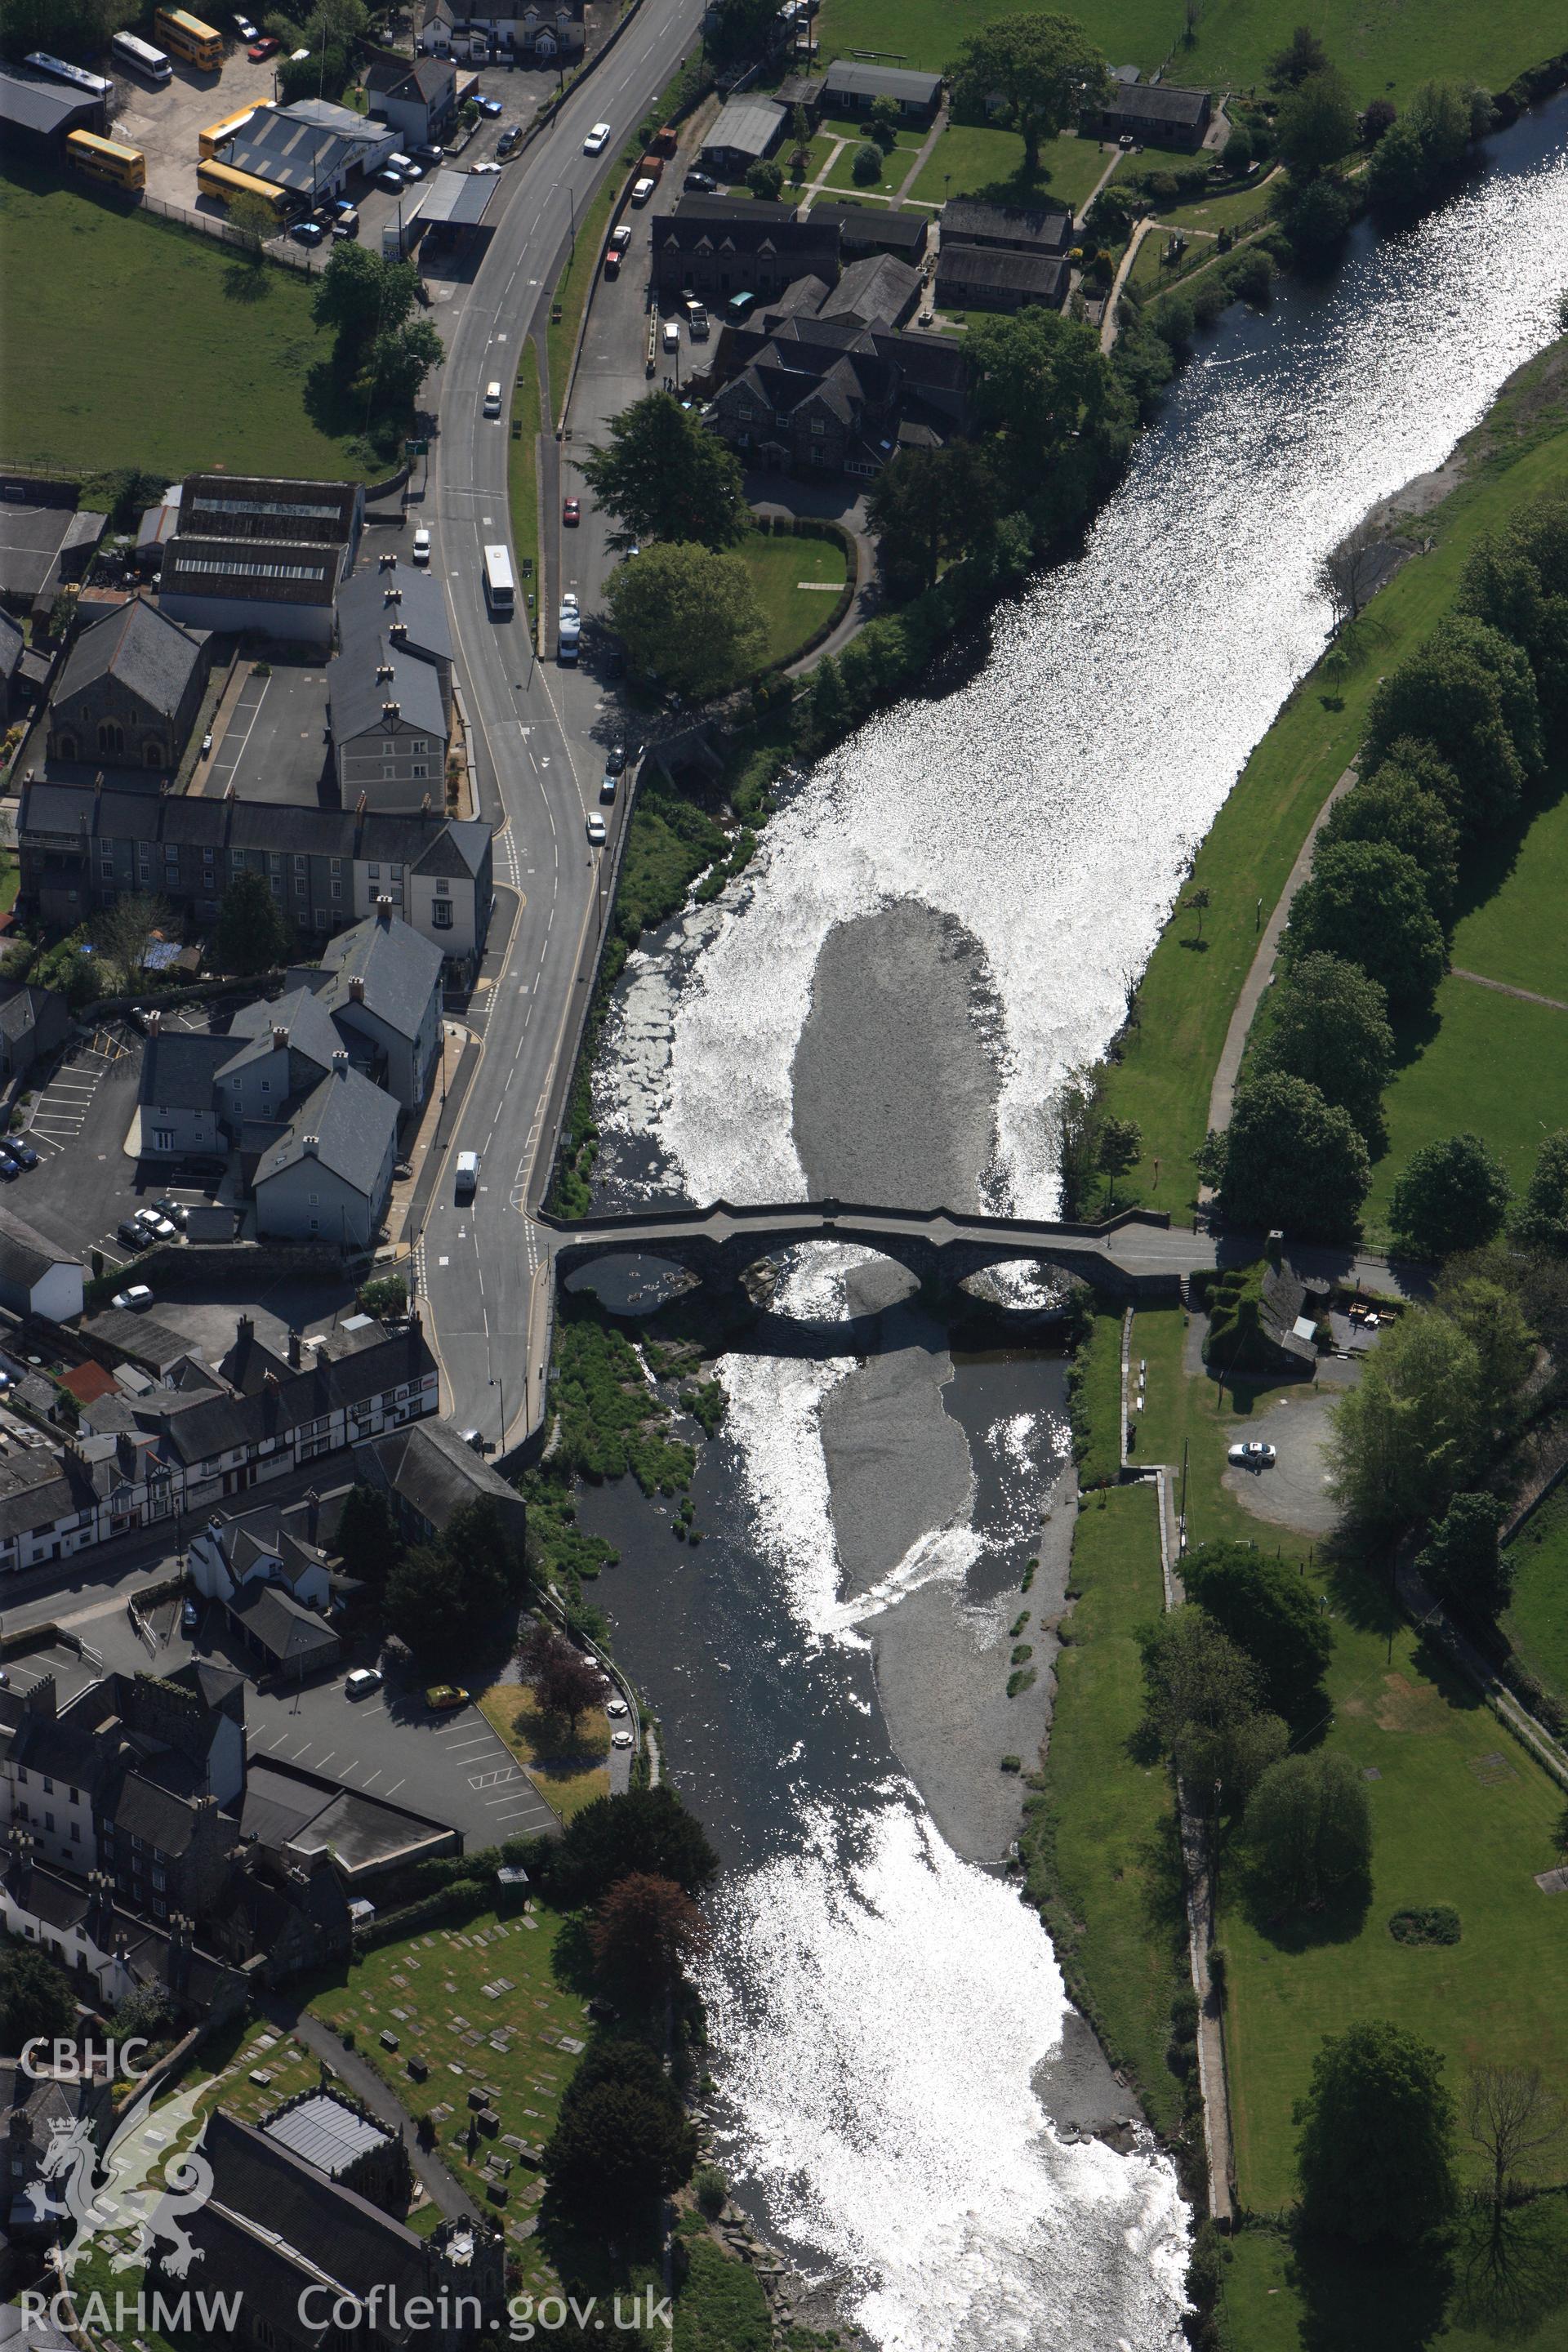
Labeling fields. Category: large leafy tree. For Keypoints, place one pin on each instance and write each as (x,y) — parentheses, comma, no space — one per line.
(1042,68)
(1414,1429)
(663,476)
(618,2145)
(1375,2153)
(929,506)
(565,1682)
(688,616)
(1267,1611)
(1518,582)
(645,1931)
(1393,805)
(1308,1831)
(1302,56)
(1289,1159)
(366,1537)
(35,1996)
(1463,1562)
(1543,1217)
(1451,1195)
(1330,1027)
(1417,154)
(1203,1696)
(397,365)
(1317,123)
(360,296)
(1366,902)
(1482,1294)
(646,1830)
(253,933)
(1470,693)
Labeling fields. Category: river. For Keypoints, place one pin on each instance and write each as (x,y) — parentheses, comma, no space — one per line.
(943,917)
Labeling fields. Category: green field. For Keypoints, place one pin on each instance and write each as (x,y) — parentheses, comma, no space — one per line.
(1537,1622)
(1391,47)
(125,341)
(1113,1892)
(777,566)
(1519,453)
(1517,935)
(967,159)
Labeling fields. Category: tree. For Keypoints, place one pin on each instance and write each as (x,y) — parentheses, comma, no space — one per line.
(1518,582)
(1542,1218)
(360,296)
(1379,114)
(1366,902)
(1450,1195)
(1121,1142)
(886,118)
(688,616)
(740,29)
(77,29)
(1203,1695)
(1042,68)
(1302,56)
(1072,1120)
(765,179)
(252,934)
(1037,379)
(400,359)
(1289,1159)
(1413,1430)
(1462,1562)
(1317,123)
(485,1560)
(1238,149)
(1265,1609)
(366,1539)
(1470,694)
(35,1996)
(1513,2116)
(646,1830)
(866,171)
(616,2147)
(1328,1024)
(566,1683)
(927,506)
(1348,574)
(664,477)
(442,1597)
(1314,213)
(1481,1294)
(829,709)
(418,1603)
(643,1933)
(255,219)
(385,1297)
(129,930)
(1376,2155)
(1393,805)
(1198,903)
(1308,1832)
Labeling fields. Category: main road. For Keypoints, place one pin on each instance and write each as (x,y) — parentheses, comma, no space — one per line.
(537,761)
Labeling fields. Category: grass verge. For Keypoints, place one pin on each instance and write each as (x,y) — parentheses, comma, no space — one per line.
(1100,1841)
(567,1779)
(1537,1621)
(1094,1398)
(522,473)
(236,375)
(576,283)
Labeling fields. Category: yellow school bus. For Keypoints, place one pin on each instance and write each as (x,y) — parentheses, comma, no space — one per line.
(221,180)
(209,141)
(189,38)
(122,167)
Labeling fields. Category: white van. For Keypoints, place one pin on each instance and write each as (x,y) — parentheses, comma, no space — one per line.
(467,1174)
(492,400)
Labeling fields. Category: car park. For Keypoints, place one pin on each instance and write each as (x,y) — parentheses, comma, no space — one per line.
(363,1680)
(510,138)
(1255,1454)
(422,546)
(641,191)
(175,1211)
(133,1236)
(598,139)
(444,1696)
(134,1299)
(571,511)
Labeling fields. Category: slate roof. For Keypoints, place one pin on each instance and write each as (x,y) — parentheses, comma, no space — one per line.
(142,650)
(46,107)
(357,695)
(399,966)
(882,81)
(26,1254)
(865,228)
(370,603)
(12,643)
(178,1070)
(77,812)
(53,1492)
(353,1124)
(287,1631)
(747,126)
(41,1013)
(398,78)
(878,289)
(1161,101)
(430,1468)
(301,1011)
(807,244)
(155,1815)
(962,267)
(290,153)
(1043,229)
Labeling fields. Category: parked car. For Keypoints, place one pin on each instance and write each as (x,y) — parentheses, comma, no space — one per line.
(613,261)
(306,231)
(422,545)
(697,323)
(134,1299)
(159,1226)
(671,336)
(598,139)
(363,1680)
(1254,1456)
(700,183)
(478,170)
(390,179)
(345,220)
(245,29)
(9,1170)
(607,786)
(620,238)
(444,1696)
(267,46)
(190,1615)
(641,191)
(597,833)
(571,511)
(133,1236)
(740,306)
(616,759)
(491,106)
(22,1151)
(175,1211)
(510,138)
(429,155)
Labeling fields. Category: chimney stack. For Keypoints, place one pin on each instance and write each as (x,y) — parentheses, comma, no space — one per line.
(280,1038)
(296,1359)
(361,804)
(155,1022)
(384,672)
(312,1514)
(392,712)
(356,988)
(341,1064)
(383,912)
(312,1145)
(245,1330)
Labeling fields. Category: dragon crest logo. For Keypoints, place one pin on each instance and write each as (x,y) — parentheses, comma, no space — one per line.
(132,2202)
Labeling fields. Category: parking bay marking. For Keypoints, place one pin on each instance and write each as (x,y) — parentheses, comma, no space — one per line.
(492,1779)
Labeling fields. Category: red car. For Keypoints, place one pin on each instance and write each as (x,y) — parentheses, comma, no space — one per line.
(571,511)
(259,51)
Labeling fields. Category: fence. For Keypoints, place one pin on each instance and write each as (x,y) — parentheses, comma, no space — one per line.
(210,225)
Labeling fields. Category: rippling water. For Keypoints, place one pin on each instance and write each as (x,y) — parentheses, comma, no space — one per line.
(880,2006)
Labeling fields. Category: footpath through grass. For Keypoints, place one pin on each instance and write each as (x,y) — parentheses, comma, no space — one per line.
(126,341)
(969,156)
(1100,1842)
(1187,994)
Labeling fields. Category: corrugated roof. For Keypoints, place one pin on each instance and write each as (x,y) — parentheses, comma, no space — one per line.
(883,82)
(455,199)
(326,2133)
(41,105)
(747,125)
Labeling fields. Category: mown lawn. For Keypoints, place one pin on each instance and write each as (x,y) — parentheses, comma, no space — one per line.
(1495,1065)
(1518,934)
(568,1774)
(1276,2297)
(1460,1815)
(1115,1904)
(896,168)
(1394,48)
(1537,1621)
(968,157)
(1096,1400)
(126,341)
(777,566)
(1519,454)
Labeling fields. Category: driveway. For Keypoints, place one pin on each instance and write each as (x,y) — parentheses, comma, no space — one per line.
(1294,1494)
